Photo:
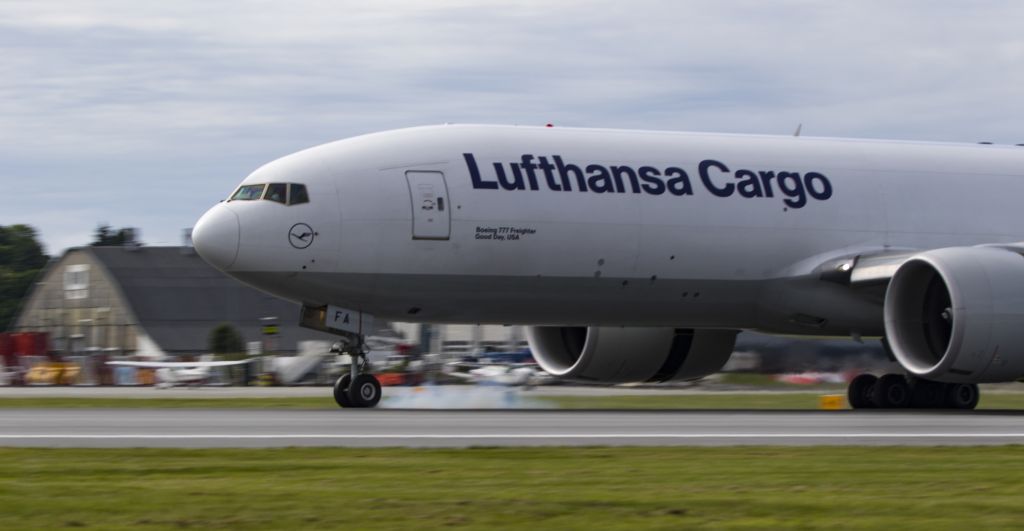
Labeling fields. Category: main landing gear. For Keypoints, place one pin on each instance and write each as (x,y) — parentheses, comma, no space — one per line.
(358,388)
(895,391)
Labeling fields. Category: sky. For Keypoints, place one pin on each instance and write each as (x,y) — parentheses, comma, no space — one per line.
(145,114)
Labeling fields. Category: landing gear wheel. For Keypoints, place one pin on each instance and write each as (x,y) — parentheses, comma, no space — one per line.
(858,394)
(926,394)
(341,390)
(364,391)
(892,391)
(962,396)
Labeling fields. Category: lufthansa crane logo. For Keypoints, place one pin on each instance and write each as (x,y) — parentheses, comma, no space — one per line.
(301,236)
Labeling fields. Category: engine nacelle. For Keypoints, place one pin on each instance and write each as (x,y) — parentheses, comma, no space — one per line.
(957,315)
(623,355)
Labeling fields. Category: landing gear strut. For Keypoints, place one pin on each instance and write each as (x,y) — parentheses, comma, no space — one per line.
(895,391)
(357,388)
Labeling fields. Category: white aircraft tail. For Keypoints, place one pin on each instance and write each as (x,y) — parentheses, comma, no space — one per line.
(290,370)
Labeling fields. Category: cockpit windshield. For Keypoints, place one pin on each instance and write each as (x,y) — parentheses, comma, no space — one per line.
(248,192)
(277,192)
(298,194)
(284,193)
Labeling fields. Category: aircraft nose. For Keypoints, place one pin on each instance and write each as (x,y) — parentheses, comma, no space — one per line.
(216,236)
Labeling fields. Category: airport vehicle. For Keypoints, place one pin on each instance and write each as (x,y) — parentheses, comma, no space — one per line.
(173,373)
(638,255)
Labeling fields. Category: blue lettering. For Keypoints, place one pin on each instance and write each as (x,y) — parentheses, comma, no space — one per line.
(826,187)
(514,183)
(793,188)
(565,170)
(724,191)
(749,186)
(474,174)
(532,172)
(618,172)
(652,184)
(599,180)
(766,179)
(680,184)
(529,166)
(549,176)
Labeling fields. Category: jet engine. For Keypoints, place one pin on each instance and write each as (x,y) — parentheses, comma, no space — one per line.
(621,355)
(957,315)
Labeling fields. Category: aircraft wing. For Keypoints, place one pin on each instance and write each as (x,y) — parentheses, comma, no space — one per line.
(178,364)
(875,268)
(863,270)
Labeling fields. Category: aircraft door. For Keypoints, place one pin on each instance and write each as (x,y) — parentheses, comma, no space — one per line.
(431,211)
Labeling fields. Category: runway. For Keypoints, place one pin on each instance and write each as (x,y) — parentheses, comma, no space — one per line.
(212,428)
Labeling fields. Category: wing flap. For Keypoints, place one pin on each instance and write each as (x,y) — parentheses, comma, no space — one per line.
(876,269)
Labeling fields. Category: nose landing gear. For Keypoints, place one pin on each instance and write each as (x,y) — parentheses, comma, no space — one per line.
(895,391)
(358,388)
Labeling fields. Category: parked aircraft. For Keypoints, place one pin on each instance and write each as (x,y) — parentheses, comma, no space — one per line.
(638,255)
(512,375)
(173,373)
(496,357)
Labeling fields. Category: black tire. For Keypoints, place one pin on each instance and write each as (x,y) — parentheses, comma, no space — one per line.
(892,392)
(364,391)
(926,394)
(341,390)
(858,394)
(962,396)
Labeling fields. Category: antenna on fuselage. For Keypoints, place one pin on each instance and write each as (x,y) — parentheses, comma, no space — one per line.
(798,128)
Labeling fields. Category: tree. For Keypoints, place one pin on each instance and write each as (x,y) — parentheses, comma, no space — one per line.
(21,259)
(224,339)
(105,235)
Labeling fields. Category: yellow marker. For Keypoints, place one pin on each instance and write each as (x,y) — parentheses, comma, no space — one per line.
(831,402)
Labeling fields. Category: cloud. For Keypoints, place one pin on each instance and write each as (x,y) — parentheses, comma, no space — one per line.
(183,99)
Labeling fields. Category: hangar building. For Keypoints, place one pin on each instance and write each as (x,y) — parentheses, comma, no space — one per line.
(150,301)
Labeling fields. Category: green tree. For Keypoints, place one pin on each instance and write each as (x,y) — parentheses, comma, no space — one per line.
(21,259)
(105,235)
(224,339)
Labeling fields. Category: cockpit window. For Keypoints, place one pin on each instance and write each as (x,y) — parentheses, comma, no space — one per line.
(277,192)
(248,192)
(284,193)
(298,194)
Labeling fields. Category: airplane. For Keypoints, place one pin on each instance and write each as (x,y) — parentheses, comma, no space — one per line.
(514,369)
(522,356)
(636,256)
(513,375)
(173,373)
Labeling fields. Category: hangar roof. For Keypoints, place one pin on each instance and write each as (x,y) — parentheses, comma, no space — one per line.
(178,298)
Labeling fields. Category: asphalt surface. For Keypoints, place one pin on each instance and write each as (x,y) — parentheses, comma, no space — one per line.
(206,428)
(396,392)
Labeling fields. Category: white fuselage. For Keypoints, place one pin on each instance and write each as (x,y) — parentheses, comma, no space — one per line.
(170,377)
(469,224)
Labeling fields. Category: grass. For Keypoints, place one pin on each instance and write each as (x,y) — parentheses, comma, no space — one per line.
(722,400)
(488,488)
